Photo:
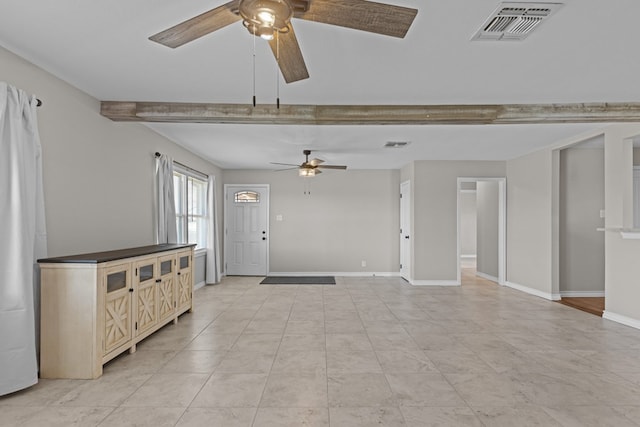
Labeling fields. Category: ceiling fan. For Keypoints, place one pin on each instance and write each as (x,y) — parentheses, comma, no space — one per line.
(310,167)
(271,20)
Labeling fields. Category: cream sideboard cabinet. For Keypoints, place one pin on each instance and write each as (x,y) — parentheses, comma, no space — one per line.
(96,306)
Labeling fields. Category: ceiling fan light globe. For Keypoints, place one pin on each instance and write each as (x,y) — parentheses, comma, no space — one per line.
(306,172)
(275,14)
(266,17)
(265,33)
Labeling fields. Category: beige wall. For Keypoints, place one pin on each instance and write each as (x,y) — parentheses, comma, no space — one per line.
(581,266)
(434,187)
(488,224)
(98,174)
(349,217)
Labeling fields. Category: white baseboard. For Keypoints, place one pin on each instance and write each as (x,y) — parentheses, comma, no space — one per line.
(486,276)
(585,294)
(434,282)
(337,274)
(619,318)
(532,291)
(199,285)
(470,256)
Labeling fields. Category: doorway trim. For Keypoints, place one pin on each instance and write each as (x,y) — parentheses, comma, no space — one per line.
(502,225)
(266,187)
(406,248)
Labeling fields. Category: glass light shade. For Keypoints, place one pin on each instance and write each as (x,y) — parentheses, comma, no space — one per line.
(272,14)
(306,172)
(266,17)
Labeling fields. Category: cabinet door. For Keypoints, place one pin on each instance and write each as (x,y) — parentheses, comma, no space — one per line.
(166,287)
(185,280)
(146,295)
(117,306)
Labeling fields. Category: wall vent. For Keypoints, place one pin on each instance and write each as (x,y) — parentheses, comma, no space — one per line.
(515,21)
(396,144)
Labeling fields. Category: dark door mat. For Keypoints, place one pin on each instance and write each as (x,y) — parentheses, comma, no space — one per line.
(299,280)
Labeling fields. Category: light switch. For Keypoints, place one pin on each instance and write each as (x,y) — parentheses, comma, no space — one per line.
(278,217)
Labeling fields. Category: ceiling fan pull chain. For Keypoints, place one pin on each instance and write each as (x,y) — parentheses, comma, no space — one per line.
(254,65)
(278,71)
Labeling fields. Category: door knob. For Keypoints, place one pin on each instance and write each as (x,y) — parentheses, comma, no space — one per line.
(406,237)
(264,238)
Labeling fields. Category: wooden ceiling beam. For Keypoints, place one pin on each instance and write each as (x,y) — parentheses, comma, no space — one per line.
(172,112)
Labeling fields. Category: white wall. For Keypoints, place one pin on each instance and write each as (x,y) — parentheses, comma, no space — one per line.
(98,174)
(487,219)
(532,217)
(435,199)
(581,199)
(529,221)
(349,217)
(468,223)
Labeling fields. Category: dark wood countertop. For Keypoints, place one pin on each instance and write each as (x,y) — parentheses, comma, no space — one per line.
(99,257)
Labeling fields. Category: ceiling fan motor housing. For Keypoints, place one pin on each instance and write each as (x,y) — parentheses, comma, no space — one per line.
(264,17)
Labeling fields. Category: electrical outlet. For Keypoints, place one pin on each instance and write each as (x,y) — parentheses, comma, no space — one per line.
(363,263)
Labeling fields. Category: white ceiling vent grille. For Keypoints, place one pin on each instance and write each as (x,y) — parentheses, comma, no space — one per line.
(515,21)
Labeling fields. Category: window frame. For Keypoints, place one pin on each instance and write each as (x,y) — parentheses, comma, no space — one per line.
(184,211)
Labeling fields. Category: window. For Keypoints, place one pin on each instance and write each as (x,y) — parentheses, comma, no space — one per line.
(191,206)
(247,197)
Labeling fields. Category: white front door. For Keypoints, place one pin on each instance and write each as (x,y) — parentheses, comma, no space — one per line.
(247,230)
(405,230)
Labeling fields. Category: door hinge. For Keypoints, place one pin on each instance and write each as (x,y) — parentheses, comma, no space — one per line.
(400,266)
(401,231)
(401,195)
(136,272)
(136,326)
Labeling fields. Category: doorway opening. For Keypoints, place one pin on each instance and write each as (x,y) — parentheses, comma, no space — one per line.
(580,232)
(481,229)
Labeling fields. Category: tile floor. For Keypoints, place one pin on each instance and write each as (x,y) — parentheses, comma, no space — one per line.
(366,352)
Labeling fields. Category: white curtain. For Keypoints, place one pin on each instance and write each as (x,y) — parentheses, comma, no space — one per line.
(23,240)
(166,231)
(213,270)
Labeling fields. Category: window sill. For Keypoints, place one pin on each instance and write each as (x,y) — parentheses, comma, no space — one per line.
(200,252)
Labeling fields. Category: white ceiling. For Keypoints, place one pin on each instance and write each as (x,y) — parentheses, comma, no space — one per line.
(586,52)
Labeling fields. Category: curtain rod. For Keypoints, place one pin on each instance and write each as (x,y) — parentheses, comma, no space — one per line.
(185,166)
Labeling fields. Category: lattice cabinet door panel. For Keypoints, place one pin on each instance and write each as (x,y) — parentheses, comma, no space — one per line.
(166,287)
(185,280)
(117,307)
(147,295)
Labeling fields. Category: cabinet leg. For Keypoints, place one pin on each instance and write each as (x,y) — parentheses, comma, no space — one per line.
(132,349)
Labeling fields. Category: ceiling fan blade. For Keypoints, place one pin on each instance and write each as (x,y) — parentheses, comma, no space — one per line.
(286,47)
(361,15)
(315,162)
(199,26)
(332,167)
(284,164)
(287,169)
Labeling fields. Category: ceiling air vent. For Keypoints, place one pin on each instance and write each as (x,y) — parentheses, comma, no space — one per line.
(396,144)
(515,21)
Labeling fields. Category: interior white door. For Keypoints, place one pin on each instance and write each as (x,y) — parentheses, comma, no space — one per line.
(247,230)
(405,230)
